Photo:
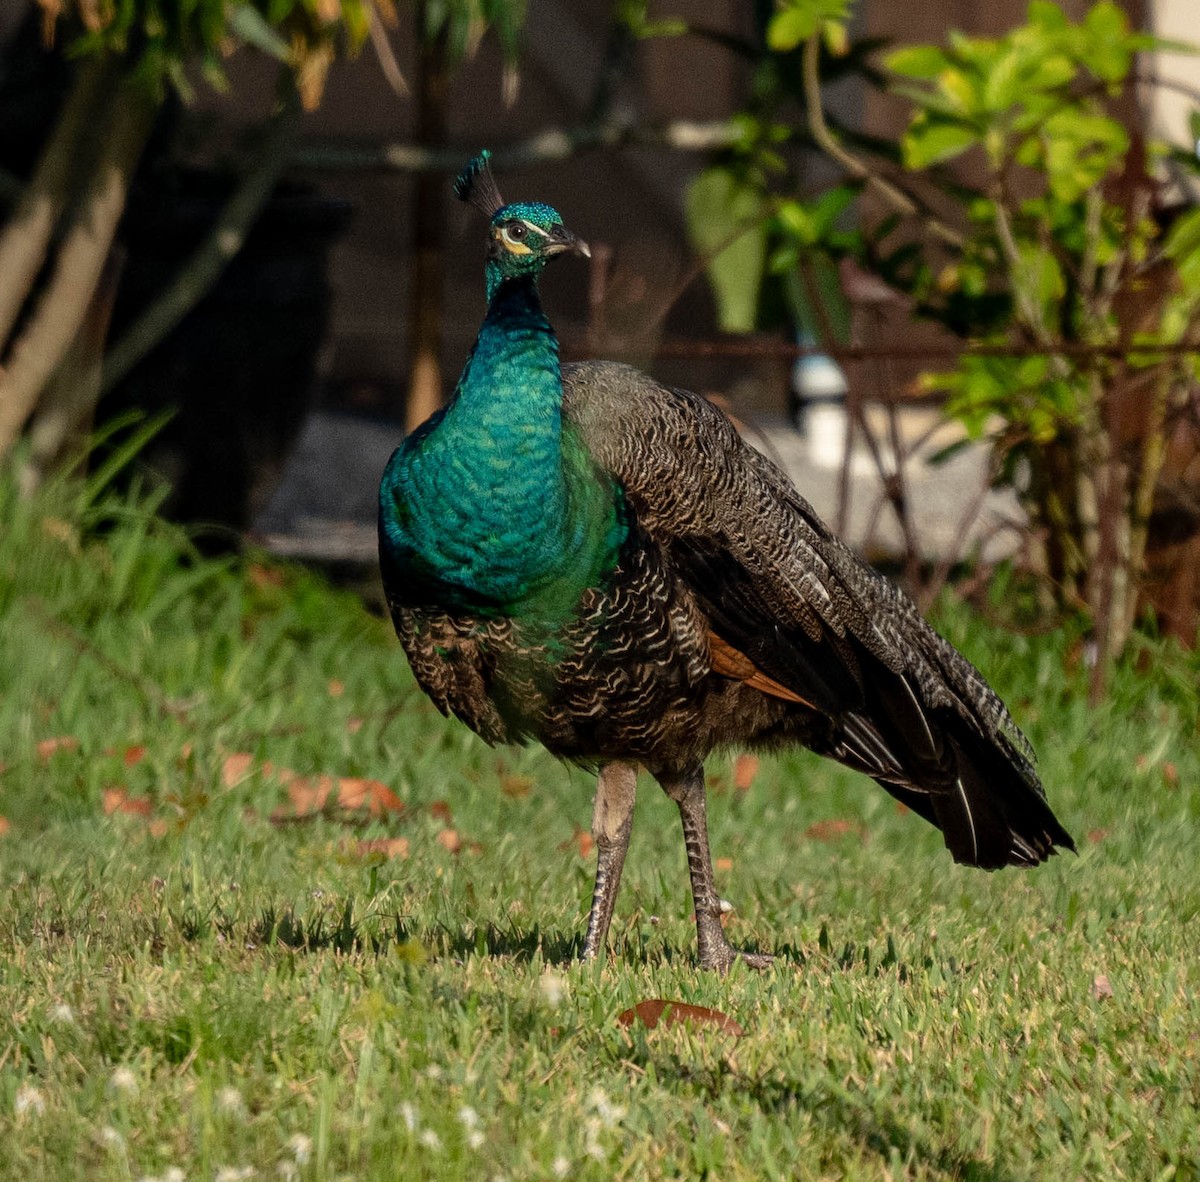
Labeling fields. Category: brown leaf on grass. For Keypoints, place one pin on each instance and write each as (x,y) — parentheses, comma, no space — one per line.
(745,768)
(517,787)
(134,755)
(390,847)
(1170,774)
(118,800)
(723,864)
(450,840)
(336,687)
(263,577)
(47,747)
(671,1013)
(1101,987)
(236,768)
(440,811)
(833,829)
(311,795)
(353,725)
(355,792)
(3,826)
(580,840)
(1096,836)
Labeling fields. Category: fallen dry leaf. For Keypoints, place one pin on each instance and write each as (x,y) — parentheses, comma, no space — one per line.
(518,787)
(390,847)
(376,797)
(158,827)
(581,840)
(336,687)
(118,800)
(723,864)
(1170,774)
(671,1013)
(236,768)
(312,795)
(263,577)
(353,725)
(745,768)
(1096,836)
(47,747)
(1101,987)
(450,840)
(440,811)
(3,826)
(832,829)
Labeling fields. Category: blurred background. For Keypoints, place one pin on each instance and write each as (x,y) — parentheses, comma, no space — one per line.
(239,216)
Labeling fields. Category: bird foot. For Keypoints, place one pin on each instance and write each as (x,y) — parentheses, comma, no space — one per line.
(720,958)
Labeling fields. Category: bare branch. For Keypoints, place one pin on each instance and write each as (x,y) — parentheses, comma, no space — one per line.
(549,146)
(823,137)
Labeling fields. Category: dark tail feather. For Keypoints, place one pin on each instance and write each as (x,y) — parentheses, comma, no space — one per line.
(994,815)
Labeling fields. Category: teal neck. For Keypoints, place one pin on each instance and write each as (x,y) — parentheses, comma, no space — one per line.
(493,505)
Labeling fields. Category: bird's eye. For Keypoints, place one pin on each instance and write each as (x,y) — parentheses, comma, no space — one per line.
(517,230)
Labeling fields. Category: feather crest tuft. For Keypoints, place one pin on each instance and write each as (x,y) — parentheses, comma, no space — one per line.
(477,185)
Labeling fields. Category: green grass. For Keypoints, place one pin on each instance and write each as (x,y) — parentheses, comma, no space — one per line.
(205,991)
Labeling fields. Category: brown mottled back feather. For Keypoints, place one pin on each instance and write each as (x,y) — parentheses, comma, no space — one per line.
(888,695)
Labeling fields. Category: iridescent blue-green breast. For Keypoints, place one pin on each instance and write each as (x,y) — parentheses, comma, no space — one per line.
(494,506)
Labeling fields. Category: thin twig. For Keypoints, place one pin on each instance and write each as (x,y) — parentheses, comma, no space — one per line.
(819,130)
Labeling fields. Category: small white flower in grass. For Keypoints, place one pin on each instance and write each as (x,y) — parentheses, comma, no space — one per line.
(301,1146)
(63,1014)
(559,1167)
(434,1071)
(28,1101)
(430,1139)
(608,1113)
(173,1174)
(553,988)
(123,1080)
(110,1137)
(234,1174)
(288,1170)
(470,1121)
(231,1102)
(408,1114)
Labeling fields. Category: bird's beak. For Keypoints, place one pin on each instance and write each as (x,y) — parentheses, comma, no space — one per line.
(562,241)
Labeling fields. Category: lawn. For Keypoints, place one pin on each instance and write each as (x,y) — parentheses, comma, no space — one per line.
(265,914)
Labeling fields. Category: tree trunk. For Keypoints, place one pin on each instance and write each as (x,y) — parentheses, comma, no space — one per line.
(62,307)
(28,232)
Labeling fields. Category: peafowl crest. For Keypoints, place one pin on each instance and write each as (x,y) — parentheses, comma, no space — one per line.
(582,557)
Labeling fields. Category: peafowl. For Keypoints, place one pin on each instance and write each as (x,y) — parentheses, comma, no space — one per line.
(577,555)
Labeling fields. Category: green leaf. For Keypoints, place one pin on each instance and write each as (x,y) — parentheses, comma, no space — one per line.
(725,215)
(790,27)
(917,61)
(933,141)
(1047,16)
(248,23)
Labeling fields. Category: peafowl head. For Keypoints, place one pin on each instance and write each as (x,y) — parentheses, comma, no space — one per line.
(522,237)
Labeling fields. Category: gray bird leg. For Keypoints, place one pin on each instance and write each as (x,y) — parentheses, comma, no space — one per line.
(612,823)
(687,791)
